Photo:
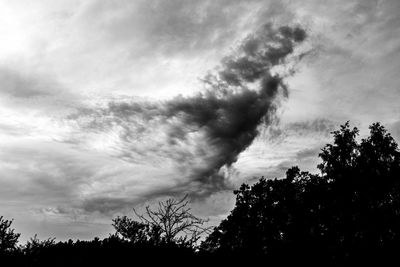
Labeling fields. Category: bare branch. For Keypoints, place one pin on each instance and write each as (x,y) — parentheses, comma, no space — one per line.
(175,221)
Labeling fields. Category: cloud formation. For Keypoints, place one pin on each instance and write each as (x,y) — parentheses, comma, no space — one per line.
(203,134)
(59,55)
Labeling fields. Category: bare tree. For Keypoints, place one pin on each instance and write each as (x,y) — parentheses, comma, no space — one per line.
(175,221)
(171,222)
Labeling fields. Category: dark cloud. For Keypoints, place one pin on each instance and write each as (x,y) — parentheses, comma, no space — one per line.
(319,126)
(223,120)
(322,125)
(259,53)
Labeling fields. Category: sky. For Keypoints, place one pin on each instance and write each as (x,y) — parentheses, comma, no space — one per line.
(108,105)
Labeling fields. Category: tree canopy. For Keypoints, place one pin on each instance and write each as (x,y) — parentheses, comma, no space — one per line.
(351,208)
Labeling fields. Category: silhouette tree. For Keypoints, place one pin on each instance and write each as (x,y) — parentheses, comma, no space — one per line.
(170,223)
(134,231)
(34,245)
(8,238)
(349,211)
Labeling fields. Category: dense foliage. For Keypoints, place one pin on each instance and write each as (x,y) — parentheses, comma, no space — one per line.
(347,213)
(8,239)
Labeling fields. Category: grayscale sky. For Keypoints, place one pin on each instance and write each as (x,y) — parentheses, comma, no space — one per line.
(112,104)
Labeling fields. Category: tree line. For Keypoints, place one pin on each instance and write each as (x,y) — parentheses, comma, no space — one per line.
(347,214)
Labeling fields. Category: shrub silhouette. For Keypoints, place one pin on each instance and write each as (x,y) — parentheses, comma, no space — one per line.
(349,212)
(8,238)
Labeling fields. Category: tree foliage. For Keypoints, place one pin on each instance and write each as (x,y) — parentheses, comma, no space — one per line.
(135,231)
(34,245)
(8,238)
(351,209)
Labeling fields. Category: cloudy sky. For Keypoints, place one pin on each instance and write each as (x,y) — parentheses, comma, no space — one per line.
(112,104)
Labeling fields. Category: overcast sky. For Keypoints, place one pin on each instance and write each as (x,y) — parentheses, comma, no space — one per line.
(108,105)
